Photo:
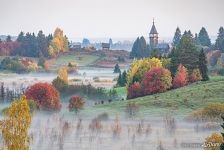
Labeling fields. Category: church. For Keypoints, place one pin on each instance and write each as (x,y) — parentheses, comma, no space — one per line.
(163,47)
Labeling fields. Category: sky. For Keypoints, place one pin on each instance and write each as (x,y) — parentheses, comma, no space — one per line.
(110,18)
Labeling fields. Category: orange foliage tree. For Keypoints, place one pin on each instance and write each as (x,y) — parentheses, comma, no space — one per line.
(45,95)
(134,90)
(195,76)
(76,103)
(156,80)
(181,77)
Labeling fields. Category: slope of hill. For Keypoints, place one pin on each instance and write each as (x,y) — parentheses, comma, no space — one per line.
(181,101)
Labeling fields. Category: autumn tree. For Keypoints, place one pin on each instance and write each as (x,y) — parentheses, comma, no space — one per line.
(181,77)
(195,76)
(63,74)
(76,103)
(156,80)
(45,95)
(59,43)
(16,124)
(134,90)
(139,67)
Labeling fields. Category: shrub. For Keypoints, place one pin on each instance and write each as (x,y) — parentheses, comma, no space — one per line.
(195,76)
(156,80)
(211,112)
(76,103)
(13,64)
(45,96)
(213,141)
(181,76)
(134,90)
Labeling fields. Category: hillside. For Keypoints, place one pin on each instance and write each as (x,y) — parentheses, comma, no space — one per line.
(181,101)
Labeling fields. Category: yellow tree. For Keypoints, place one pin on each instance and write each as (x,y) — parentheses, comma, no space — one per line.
(140,67)
(15,126)
(63,74)
(59,43)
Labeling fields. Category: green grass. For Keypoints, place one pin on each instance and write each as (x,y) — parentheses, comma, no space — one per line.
(81,60)
(182,101)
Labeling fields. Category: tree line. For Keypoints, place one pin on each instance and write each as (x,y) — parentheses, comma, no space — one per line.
(141,49)
(31,45)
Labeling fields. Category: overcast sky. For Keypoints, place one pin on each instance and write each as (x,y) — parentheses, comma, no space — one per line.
(110,18)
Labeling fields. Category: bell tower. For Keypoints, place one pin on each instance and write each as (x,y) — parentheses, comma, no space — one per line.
(153,36)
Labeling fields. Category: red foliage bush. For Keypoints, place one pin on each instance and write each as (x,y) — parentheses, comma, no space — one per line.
(45,95)
(134,90)
(76,103)
(156,80)
(181,77)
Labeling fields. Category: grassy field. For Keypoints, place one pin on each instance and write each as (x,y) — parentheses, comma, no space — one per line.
(181,101)
(81,60)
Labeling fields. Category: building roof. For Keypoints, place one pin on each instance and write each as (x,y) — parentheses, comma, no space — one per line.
(163,46)
(153,29)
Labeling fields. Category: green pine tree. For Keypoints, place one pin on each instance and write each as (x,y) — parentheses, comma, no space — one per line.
(117,69)
(203,38)
(177,37)
(124,78)
(203,66)
(219,43)
(119,80)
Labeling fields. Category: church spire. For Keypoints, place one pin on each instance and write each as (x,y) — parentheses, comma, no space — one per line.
(153,29)
(153,35)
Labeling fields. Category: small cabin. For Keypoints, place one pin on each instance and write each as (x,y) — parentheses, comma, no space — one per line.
(106,46)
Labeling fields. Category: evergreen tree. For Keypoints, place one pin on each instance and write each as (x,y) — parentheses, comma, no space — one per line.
(196,40)
(203,38)
(134,50)
(173,62)
(124,78)
(219,43)
(222,145)
(85,42)
(177,37)
(185,54)
(139,48)
(203,66)
(8,38)
(155,53)
(117,69)
(42,43)
(119,80)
